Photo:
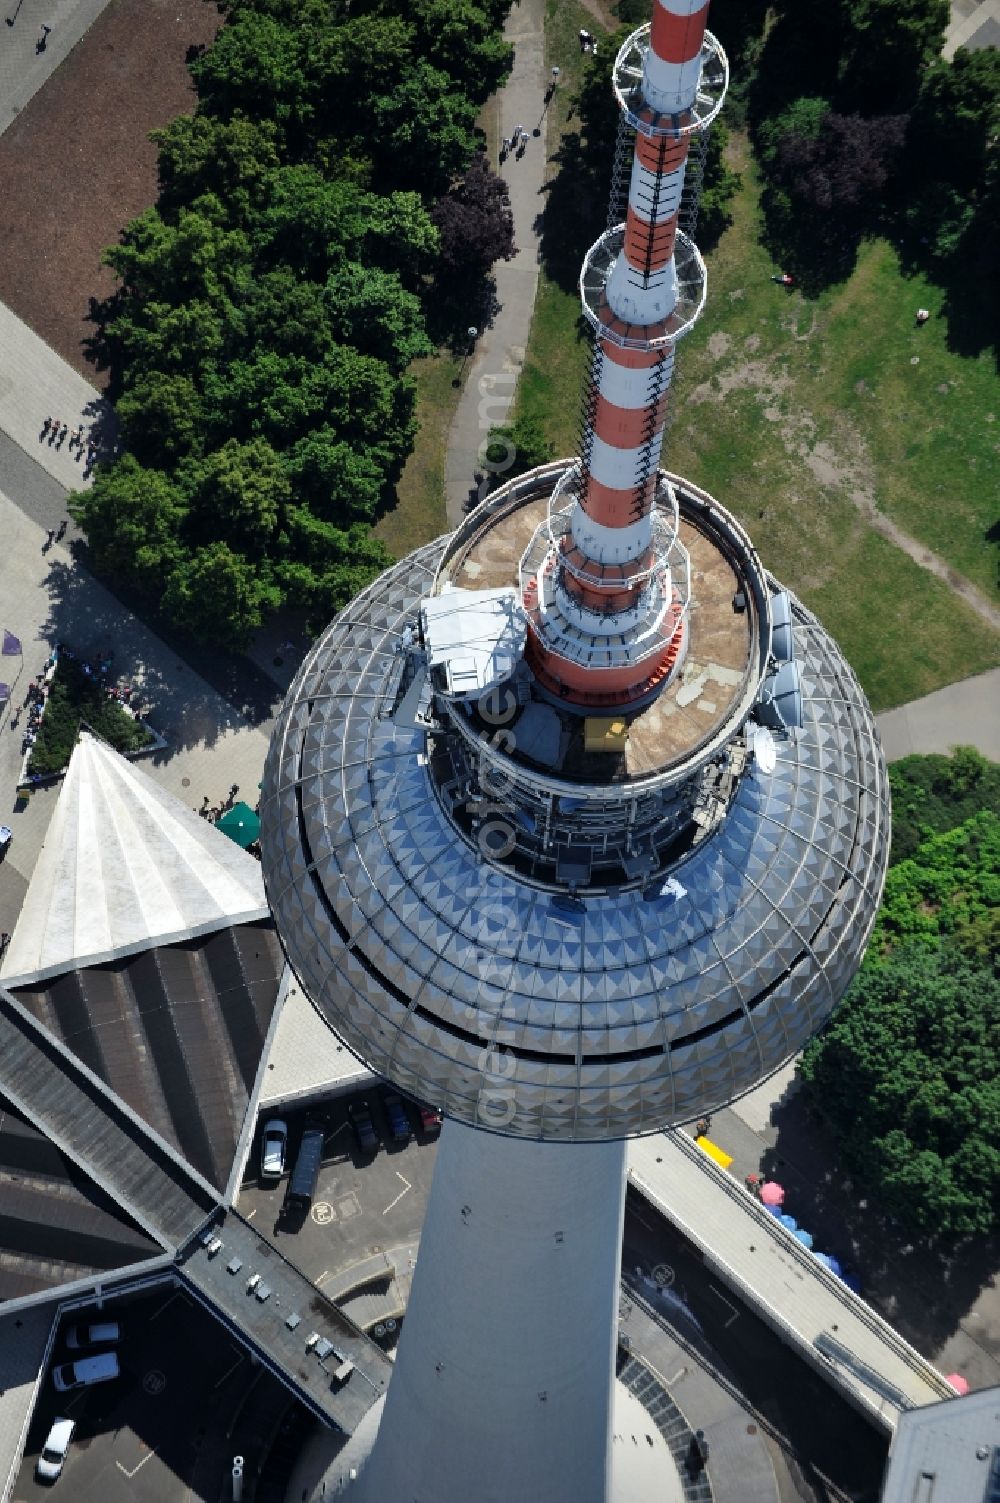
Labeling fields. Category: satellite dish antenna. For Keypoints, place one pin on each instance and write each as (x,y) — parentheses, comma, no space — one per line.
(764,749)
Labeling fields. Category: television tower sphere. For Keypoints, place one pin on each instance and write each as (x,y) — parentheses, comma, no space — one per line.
(564,926)
(575,822)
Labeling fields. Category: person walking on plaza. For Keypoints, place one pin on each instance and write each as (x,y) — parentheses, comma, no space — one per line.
(43,38)
(61,533)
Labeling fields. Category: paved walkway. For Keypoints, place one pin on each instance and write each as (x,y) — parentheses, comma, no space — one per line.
(23,69)
(36,383)
(492,379)
(962,714)
(974,23)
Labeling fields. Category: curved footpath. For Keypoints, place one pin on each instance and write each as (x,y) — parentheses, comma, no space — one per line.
(499,354)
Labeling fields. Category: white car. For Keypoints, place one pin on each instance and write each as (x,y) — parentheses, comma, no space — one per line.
(273,1149)
(50,1463)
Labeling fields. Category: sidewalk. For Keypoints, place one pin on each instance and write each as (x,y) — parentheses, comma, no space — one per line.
(962,714)
(36,383)
(492,380)
(23,70)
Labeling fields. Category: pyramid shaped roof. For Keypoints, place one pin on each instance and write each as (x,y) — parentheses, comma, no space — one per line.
(125,865)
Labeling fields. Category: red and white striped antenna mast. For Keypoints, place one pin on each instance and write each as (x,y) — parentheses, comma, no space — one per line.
(606,580)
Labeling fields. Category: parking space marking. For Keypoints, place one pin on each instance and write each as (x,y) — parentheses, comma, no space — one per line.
(342,1128)
(142,1463)
(406,1186)
(166,1305)
(735,1315)
(239,1358)
(251,1214)
(324,1275)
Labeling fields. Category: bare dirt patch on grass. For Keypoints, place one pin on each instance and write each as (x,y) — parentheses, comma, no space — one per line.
(77,164)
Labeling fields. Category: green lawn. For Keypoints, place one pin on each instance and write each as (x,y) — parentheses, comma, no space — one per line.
(797,415)
(419,514)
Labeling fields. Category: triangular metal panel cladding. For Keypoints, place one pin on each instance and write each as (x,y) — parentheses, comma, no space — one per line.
(567,986)
(417,955)
(771,1022)
(754,866)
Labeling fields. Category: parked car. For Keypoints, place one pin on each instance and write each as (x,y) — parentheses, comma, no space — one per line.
(399,1122)
(101,1333)
(304,1177)
(359,1113)
(430,1121)
(85,1371)
(273,1149)
(55,1450)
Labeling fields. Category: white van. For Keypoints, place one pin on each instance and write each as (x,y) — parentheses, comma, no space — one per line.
(53,1454)
(86,1370)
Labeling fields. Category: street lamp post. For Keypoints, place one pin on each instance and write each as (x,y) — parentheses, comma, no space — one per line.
(473,334)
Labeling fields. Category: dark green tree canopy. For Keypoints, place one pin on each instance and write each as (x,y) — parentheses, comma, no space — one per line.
(270,305)
(905,1072)
(906,1075)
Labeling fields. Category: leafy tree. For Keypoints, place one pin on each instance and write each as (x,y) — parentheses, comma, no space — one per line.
(513,448)
(161,417)
(370,310)
(255,68)
(268,308)
(75,697)
(954,125)
(886,48)
(933,794)
(422,130)
(462,40)
(952,881)
(828,176)
(287,314)
(905,1075)
(338,483)
(238,493)
(198,257)
(720,188)
(132,517)
(219,596)
(235,160)
(475,222)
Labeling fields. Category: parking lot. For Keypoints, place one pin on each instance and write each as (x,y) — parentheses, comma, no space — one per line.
(365,1204)
(148,1434)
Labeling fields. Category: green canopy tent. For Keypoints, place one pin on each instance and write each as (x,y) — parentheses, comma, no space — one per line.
(241,824)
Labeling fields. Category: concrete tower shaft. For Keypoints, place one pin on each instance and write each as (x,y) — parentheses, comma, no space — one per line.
(612,572)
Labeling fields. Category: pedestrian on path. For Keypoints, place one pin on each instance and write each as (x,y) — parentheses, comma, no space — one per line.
(53,431)
(43,39)
(49,540)
(62,529)
(45,428)
(62,434)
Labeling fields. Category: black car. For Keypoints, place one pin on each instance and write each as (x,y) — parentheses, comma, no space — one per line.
(359,1113)
(399,1122)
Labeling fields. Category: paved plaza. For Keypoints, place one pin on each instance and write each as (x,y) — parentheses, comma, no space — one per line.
(47,597)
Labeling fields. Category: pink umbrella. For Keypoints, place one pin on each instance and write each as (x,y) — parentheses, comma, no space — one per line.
(957,1382)
(772,1194)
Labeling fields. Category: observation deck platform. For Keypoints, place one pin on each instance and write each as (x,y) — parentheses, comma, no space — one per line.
(809,1307)
(703,695)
